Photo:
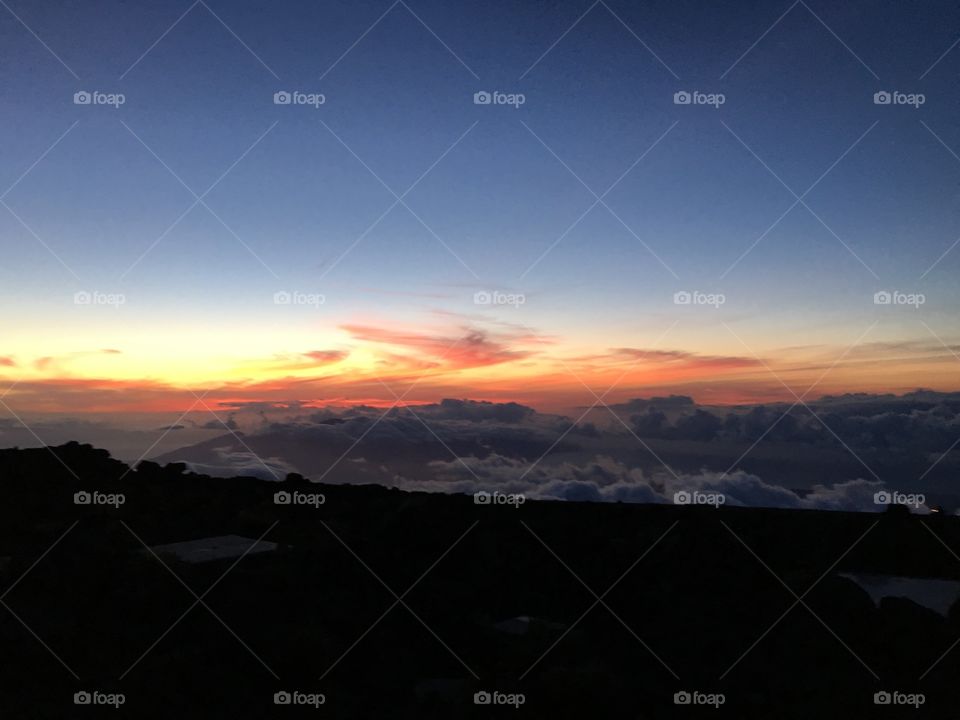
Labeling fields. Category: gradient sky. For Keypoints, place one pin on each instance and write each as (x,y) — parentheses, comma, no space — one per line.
(296,192)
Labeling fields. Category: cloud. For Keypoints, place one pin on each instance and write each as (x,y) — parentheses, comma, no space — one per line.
(477,411)
(607,480)
(678,358)
(473,348)
(231,462)
(672,402)
(322,357)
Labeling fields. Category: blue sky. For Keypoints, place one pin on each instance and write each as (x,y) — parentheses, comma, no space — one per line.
(503,185)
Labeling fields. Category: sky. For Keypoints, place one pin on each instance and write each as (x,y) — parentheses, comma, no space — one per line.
(401,242)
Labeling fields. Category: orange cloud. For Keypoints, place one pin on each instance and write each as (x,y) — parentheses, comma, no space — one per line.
(474,348)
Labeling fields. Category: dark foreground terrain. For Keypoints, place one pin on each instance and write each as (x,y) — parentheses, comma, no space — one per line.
(385,604)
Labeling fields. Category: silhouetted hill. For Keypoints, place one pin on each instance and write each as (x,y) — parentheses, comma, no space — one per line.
(401,605)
